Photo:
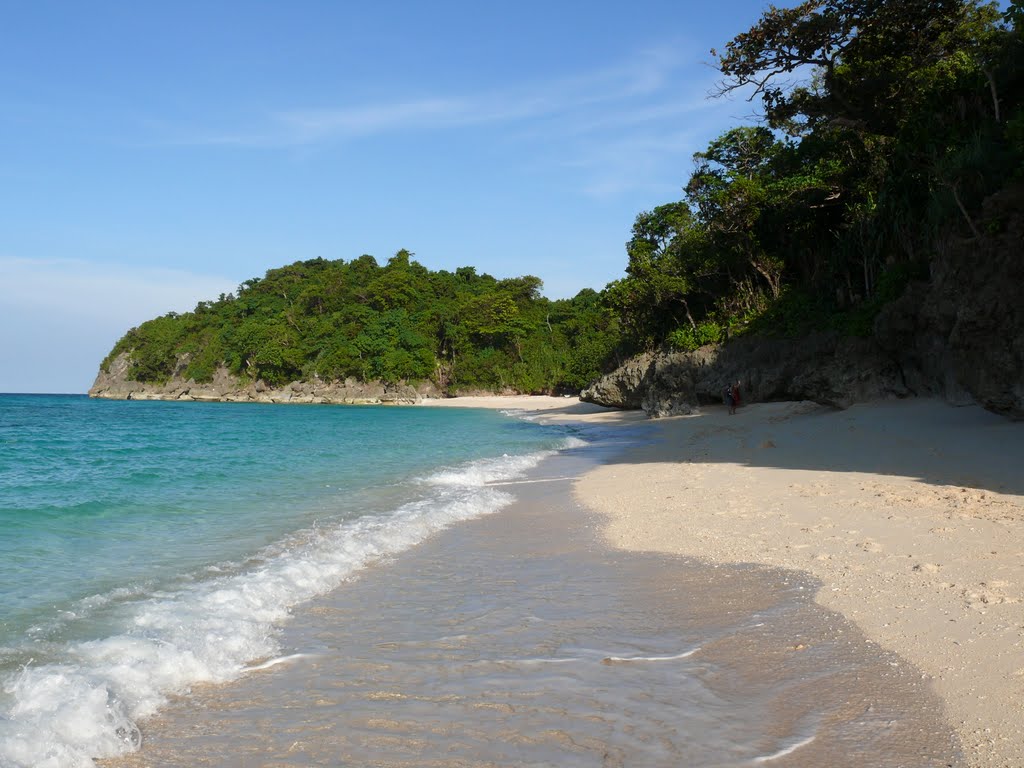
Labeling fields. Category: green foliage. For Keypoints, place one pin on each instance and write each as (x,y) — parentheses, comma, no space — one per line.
(399,322)
(887,125)
(204,357)
(860,320)
(796,313)
(690,338)
(156,341)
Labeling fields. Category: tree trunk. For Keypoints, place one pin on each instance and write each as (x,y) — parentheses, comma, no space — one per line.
(995,95)
(773,279)
(967,217)
(689,317)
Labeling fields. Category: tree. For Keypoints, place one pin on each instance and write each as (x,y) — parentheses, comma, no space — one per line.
(397,322)
(653,297)
(854,57)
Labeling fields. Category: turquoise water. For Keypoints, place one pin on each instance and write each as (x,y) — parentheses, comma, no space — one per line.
(148,546)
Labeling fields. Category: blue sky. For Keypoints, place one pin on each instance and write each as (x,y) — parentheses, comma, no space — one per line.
(152,155)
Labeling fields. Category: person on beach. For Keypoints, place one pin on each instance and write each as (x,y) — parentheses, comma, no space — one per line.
(734,397)
(727,397)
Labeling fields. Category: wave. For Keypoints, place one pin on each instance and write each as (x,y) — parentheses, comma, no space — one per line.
(64,713)
(501,469)
(629,659)
(784,751)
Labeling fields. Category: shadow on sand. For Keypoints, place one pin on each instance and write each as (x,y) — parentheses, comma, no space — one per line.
(926,440)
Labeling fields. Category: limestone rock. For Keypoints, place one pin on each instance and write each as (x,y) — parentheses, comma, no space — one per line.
(825,368)
(958,336)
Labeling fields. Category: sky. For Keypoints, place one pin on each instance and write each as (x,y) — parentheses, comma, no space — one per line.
(153,155)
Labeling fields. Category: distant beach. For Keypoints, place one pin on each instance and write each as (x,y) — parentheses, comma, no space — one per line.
(909,513)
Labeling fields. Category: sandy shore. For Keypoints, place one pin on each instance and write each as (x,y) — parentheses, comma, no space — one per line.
(910,514)
(552,408)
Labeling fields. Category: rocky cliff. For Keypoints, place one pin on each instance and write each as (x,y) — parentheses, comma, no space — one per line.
(961,335)
(114,384)
(958,336)
(825,368)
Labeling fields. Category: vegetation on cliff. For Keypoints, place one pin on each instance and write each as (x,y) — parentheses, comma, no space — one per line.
(397,322)
(885,126)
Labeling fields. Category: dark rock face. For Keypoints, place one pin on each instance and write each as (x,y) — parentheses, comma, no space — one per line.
(625,386)
(825,368)
(959,336)
(114,384)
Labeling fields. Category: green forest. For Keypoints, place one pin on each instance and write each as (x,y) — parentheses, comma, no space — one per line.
(884,125)
(397,322)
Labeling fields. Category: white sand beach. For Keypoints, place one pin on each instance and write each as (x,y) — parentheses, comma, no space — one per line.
(910,514)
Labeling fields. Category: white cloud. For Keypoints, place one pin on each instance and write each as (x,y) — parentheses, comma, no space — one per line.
(312,125)
(644,75)
(62,316)
(632,125)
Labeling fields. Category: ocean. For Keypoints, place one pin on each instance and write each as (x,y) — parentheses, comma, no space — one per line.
(188,584)
(150,546)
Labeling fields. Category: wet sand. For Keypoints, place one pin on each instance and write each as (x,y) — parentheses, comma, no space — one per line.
(910,514)
(523,638)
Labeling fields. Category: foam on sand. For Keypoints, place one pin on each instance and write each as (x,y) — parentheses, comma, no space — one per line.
(910,514)
(84,701)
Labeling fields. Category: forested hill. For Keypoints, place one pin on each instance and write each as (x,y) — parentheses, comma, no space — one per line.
(878,198)
(397,322)
(886,124)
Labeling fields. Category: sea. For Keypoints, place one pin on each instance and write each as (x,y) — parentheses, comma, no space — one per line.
(248,584)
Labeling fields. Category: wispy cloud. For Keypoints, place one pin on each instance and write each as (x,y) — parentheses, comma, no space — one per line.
(634,124)
(642,76)
(641,161)
(305,126)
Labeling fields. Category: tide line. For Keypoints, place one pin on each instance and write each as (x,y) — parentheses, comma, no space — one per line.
(537,480)
(783,752)
(274,662)
(536,661)
(621,659)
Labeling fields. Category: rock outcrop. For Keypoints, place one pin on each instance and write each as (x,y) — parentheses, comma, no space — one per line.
(114,384)
(825,368)
(958,336)
(961,335)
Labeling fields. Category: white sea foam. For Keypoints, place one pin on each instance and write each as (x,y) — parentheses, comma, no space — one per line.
(573,442)
(63,714)
(500,469)
(675,657)
(270,663)
(486,471)
(787,750)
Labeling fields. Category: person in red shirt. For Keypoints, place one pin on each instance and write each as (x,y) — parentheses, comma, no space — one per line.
(734,397)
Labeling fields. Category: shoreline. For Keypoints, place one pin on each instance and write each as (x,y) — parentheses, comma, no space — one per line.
(909,513)
(547,647)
